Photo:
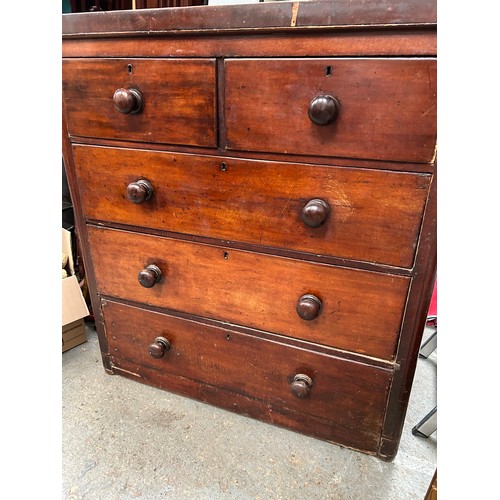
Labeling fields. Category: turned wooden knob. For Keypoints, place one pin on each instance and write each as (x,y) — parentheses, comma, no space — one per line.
(315,213)
(128,101)
(301,385)
(324,109)
(159,347)
(308,307)
(139,191)
(149,276)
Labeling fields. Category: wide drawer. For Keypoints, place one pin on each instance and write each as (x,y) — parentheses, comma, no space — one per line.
(372,215)
(350,309)
(178,99)
(345,402)
(386,107)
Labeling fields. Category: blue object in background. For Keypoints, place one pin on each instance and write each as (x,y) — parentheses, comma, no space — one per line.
(66,6)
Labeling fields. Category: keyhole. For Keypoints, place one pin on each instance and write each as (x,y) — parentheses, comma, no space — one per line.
(226,255)
(129,69)
(223,167)
(328,71)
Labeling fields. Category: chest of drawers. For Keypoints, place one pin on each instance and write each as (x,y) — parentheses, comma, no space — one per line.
(255,196)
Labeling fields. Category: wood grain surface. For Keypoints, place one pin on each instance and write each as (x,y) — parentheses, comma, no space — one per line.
(375,215)
(361,310)
(205,194)
(369,42)
(345,394)
(270,15)
(179,99)
(387,107)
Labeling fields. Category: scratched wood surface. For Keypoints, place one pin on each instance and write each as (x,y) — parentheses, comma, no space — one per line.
(233,84)
(270,15)
(179,99)
(232,363)
(387,107)
(361,310)
(375,215)
(369,42)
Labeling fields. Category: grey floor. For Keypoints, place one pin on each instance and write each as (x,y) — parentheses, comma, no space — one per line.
(125,440)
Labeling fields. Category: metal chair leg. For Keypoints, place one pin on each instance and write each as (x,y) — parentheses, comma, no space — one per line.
(427,425)
(429,346)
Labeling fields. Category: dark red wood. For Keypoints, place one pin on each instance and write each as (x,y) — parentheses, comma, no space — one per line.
(413,328)
(149,276)
(387,107)
(315,213)
(179,104)
(139,191)
(375,215)
(268,15)
(368,42)
(256,290)
(159,347)
(301,385)
(309,306)
(128,101)
(256,207)
(228,363)
(324,108)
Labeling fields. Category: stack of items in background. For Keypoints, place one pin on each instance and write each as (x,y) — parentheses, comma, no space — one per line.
(74,307)
(75,300)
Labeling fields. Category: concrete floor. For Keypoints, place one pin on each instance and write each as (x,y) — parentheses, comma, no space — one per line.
(125,440)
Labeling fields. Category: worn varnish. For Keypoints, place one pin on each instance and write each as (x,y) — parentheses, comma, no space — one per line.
(367,42)
(255,197)
(387,108)
(179,98)
(374,215)
(234,362)
(252,289)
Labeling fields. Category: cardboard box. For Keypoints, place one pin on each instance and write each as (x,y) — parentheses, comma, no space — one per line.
(74,308)
(73,334)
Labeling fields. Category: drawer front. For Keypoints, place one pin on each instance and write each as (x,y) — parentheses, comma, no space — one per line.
(355,310)
(349,395)
(386,107)
(371,215)
(178,100)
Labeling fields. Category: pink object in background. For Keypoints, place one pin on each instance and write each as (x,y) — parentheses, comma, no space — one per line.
(433,305)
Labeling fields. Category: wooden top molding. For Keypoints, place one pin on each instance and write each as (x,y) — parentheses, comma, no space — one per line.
(260,17)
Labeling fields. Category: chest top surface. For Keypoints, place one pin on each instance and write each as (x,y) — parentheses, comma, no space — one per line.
(269,16)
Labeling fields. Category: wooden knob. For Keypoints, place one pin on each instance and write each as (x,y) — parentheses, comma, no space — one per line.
(308,307)
(139,191)
(301,386)
(324,109)
(159,347)
(128,101)
(315,213)
(149,276)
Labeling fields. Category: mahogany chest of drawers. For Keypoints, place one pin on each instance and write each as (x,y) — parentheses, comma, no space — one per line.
(255,197)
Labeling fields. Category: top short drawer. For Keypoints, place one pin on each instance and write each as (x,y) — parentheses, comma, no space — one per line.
(178,100)
(386,108)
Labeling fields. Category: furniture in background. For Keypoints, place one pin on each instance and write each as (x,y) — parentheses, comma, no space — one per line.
(255,189)
(428,425)
(430,345)
(104,5)
(432,490)
(68,218)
